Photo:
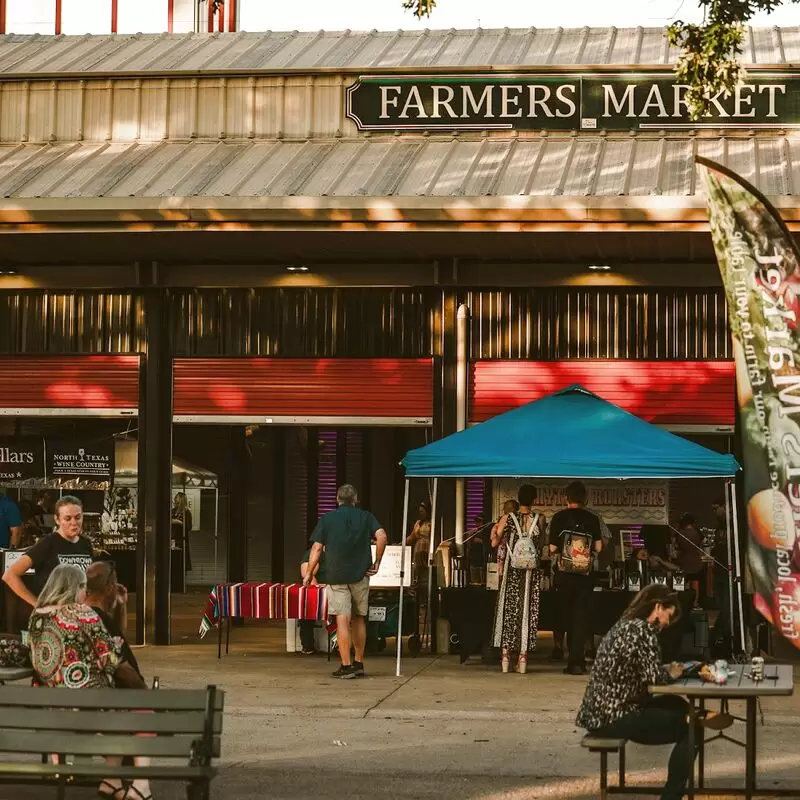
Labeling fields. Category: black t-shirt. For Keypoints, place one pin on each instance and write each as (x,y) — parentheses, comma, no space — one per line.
(573,532)
(656,540)
(347,534)
(52,550)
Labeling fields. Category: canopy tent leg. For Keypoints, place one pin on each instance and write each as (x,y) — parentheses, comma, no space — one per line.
(402,580)
(431,551)
(729,542)
(738,565)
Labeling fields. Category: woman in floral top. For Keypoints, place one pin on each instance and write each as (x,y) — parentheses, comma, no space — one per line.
(616,703)
(71,649)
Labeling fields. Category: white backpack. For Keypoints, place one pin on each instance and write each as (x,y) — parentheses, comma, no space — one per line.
(525,553)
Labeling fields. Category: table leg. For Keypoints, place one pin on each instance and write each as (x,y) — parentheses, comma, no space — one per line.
(692,718)
(751,747)
(228,636)
(701,756)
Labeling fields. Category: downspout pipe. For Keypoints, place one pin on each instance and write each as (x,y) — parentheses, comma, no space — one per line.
(462,365)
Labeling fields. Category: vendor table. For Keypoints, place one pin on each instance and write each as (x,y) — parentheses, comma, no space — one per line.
(778,681)
(261,601)
(470,610)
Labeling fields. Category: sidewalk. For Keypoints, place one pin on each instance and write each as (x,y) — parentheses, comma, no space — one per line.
(441,731)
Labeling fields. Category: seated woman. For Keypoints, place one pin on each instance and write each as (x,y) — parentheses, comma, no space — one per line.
(616,703)
(71,649)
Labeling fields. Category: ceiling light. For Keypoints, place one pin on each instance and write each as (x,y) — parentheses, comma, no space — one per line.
(9,271)
(297,268)
(599,268)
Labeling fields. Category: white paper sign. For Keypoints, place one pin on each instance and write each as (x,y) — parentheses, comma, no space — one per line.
(377,614)
(389,574)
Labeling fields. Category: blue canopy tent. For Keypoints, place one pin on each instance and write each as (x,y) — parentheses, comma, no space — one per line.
(577,435)
(572,433)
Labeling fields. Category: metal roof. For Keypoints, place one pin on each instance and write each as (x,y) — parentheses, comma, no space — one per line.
(507,48)
(455,167)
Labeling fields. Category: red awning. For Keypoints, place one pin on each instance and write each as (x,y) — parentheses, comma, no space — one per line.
(75,385)
(304,391)
(671,393)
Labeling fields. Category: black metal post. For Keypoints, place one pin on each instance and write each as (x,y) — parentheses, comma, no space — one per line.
(750,747)
(278,443)
(312,476)
(155,472)
(692,723)
(237,504)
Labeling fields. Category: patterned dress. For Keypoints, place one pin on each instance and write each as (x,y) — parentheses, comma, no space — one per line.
(71,648)
(516,621)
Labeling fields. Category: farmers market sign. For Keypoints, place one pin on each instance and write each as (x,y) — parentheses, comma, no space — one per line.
(564,102)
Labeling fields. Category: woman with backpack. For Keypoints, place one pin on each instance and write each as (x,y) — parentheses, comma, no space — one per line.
(517,616)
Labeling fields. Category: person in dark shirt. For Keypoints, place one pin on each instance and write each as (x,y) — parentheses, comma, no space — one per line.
(346,536)
(690,548)
(109,599)
(10,522)
(66,546)
(575,535)
(721,635)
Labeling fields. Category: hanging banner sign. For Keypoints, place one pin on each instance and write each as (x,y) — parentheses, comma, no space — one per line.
(71,460)
(566,102)
(21,460)
(618,502)
(760,267)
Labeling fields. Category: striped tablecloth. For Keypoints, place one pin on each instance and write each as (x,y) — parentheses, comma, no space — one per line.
(264,601)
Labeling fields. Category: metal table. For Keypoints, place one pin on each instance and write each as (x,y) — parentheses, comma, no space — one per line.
(778,681)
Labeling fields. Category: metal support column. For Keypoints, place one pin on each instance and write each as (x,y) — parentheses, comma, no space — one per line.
(238,482)
(153,582)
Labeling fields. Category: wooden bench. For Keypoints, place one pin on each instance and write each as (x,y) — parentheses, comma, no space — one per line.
(185,729)
(604,746)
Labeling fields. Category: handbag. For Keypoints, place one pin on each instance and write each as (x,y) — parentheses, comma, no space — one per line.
(525,553)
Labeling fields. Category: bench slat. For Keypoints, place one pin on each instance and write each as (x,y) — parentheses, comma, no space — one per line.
(602,742)
(146,699)
(39,771)
(180,746)
(41,719)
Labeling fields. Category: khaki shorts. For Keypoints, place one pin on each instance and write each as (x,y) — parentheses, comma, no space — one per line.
(349,599)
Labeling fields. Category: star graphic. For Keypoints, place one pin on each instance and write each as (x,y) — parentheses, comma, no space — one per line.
(19,474)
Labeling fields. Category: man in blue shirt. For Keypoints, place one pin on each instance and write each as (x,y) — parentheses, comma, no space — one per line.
(10,522)
(346,536)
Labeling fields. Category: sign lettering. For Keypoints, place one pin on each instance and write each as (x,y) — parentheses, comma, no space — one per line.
(564,102)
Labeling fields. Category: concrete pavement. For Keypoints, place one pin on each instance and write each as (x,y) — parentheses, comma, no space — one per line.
(441,731)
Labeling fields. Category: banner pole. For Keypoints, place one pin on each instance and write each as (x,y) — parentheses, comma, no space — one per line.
(738,565)
(402,581)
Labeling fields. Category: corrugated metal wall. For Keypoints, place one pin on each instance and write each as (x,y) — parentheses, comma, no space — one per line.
(551,324)
(528,323)
(71,322)
(303,322)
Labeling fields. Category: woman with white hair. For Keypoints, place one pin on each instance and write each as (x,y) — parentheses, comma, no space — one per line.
(71,649)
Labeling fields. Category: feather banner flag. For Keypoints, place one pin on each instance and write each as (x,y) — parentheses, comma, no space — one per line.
(760,267)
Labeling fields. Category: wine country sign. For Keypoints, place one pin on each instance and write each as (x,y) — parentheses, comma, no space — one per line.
(611,102)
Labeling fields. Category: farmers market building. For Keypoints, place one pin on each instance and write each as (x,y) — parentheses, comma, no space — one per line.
(247,252)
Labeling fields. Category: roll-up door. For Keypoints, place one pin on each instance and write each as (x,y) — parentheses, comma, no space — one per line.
(304,391)
(681,395)
(79,385)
